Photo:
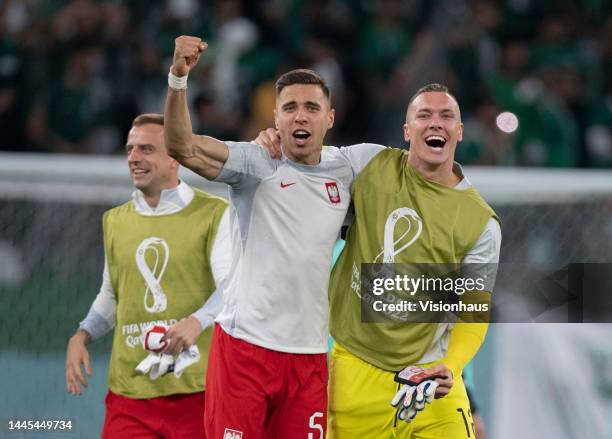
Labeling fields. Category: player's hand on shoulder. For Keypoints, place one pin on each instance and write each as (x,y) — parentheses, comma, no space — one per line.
(270,140)
(187,51)
(77,355)
(181,335)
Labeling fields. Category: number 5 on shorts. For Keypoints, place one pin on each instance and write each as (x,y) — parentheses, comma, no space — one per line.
(312,423)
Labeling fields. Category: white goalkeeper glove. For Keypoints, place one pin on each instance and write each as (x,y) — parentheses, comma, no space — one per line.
(418,388)
(157,364)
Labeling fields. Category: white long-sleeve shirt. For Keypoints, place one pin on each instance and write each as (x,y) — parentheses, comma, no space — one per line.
(101,316)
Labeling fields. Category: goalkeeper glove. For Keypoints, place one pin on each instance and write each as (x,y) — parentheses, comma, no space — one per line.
(418,387)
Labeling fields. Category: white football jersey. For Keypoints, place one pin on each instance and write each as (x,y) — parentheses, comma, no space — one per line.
(285,218)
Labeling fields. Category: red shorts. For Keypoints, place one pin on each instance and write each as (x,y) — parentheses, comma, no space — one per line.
(256,393)
(174,416)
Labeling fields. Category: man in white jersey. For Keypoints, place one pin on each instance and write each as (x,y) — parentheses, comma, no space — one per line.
(267,374)
(165,252)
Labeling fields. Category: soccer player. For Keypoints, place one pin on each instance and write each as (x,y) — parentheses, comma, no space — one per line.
(393,188)
(457,227)
(267,375)
(166,251)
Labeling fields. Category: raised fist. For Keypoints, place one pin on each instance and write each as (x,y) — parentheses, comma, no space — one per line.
(187,51)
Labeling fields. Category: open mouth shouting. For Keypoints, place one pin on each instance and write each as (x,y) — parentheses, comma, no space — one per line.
(435,141)
(301,136)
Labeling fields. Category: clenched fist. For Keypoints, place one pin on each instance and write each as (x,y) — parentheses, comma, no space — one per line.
(187,51)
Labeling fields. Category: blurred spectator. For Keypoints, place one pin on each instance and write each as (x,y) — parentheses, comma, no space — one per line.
(11,92)
(483,142)
(262,110)
(598,135)
(207,119)
(236,34)
(64,119)
(473,50)
(550,138)
(599,131)
(513,67)
(322,57)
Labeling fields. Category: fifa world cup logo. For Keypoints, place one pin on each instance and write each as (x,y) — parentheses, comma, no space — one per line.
(156,252)
(413,226)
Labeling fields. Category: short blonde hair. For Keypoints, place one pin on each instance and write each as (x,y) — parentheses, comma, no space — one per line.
(429,88)
(148,118)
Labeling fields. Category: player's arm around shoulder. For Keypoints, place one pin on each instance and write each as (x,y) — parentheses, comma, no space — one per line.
(202,154)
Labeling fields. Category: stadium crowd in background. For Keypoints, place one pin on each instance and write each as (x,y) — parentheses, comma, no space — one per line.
(73,72)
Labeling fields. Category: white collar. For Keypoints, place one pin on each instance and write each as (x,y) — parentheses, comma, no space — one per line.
(464,183)
(170,200)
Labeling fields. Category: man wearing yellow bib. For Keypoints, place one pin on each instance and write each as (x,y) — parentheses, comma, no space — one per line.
(167,253)
(393,190)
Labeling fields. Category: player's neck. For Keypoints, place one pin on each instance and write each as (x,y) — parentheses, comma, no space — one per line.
(152,200)
(153,196)
(311,159)
(439,173)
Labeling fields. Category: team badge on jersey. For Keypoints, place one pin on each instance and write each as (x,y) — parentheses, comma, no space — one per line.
(332,192)
(232,434)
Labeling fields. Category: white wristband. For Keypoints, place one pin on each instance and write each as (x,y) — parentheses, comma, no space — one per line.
(177,82)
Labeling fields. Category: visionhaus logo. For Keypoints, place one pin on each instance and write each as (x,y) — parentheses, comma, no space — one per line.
(426,292)
(486,292)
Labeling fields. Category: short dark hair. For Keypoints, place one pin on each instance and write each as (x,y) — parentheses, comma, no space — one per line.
(433,87)
(148,118)
(302,76)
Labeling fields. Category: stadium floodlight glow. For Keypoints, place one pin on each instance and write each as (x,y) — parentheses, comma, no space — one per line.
(507,122)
